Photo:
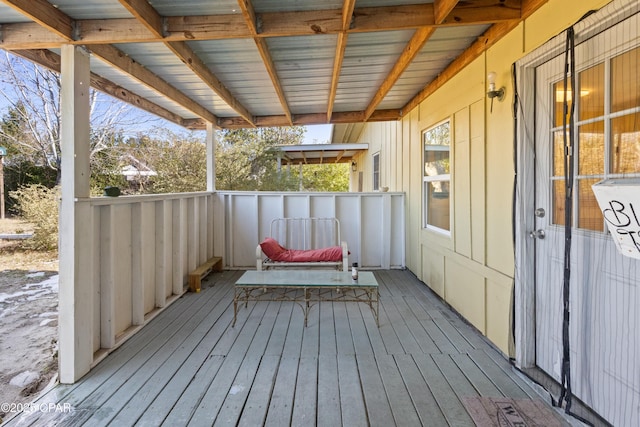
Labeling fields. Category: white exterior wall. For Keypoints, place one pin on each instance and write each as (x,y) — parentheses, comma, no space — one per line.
(372,224)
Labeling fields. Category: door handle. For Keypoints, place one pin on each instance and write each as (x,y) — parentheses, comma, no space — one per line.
(537,234)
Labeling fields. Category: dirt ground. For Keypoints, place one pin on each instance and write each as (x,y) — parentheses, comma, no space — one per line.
(28,319)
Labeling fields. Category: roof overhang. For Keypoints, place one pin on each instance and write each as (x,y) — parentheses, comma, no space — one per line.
(249,63)
(317,154)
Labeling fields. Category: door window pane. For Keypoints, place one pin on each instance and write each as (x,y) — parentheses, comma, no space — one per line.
(625,139)
(591,89)
(591,149)
(558,105)
(589,214)
(558,201)
(625,88)
(558,153)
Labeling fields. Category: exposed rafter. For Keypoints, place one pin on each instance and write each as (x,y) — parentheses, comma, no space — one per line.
(410,51)
(146,14)
(43,12)
(51,28)
(442,9)
(347,17)
(284,24)
(120,60)
(250,18)
(52,60)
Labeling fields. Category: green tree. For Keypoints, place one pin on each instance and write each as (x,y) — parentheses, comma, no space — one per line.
(246,159)
(327,177)
(182,168)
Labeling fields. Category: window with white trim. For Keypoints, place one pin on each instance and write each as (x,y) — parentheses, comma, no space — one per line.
(437,177)
(376,172)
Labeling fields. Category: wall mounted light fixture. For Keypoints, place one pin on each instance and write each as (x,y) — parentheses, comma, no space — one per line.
(354,166)
(493,93)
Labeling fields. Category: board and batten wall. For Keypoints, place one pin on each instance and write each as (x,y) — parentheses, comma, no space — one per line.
(143,248)
(371,223)
(473,267)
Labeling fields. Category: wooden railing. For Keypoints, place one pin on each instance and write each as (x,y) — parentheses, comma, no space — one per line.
(143,247)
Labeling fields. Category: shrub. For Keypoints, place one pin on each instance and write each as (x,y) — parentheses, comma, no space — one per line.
(38,205)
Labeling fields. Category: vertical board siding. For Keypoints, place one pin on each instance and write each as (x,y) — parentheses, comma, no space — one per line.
(143,248)
(372,224)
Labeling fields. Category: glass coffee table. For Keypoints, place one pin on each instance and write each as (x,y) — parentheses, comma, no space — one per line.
(306,288)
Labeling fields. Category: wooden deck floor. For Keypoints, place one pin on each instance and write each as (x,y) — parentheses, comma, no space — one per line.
(189,366)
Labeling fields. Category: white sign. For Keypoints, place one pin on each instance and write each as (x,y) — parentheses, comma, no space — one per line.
(619,200)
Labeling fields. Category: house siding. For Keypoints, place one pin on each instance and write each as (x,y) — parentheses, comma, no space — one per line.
(473,268)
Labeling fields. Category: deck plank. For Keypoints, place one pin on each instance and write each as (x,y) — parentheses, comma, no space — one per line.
(420,391)
(306,396)
(282,398)
(254,412)
(404,413)
(506,384)
(413,324)
(344,342)
(189,366)
(328,391)
(351,396)
(448,402)
(206,394)
(378,409)
(359,334)
(327,329)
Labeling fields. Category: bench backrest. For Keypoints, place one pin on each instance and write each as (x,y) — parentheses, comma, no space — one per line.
(306,233)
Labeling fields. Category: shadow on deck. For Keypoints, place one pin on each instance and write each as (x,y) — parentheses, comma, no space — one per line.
(189,366)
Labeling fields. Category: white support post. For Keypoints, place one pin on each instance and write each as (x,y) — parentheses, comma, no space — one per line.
(75,251)
(211,157)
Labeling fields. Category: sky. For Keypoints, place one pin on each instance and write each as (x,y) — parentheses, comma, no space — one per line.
(318,134)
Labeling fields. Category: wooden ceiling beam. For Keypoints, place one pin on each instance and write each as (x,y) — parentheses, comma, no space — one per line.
(442,9)
(51,60)
(62,25)
(147,15)
(285,24)
(122,61)
(45,14)
(341,45)
(251,21)
(410,51)
(310,119)
(488,39)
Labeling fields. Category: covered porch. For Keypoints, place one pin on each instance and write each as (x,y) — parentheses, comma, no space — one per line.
(422,366)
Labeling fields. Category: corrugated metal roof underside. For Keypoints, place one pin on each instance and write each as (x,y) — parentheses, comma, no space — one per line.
(158,59)
(91,9)
(195,7)
(238,64)
(264,6)
(304,66)
(439,51)
(368,59)
(126,81)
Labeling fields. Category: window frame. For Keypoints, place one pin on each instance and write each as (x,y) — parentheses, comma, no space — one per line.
(428,179)
(375,167)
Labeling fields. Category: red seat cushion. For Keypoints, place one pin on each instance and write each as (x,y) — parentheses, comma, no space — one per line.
(271,248)
(332,253)
(275,252)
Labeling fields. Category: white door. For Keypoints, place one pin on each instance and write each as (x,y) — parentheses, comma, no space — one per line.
(605,299)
